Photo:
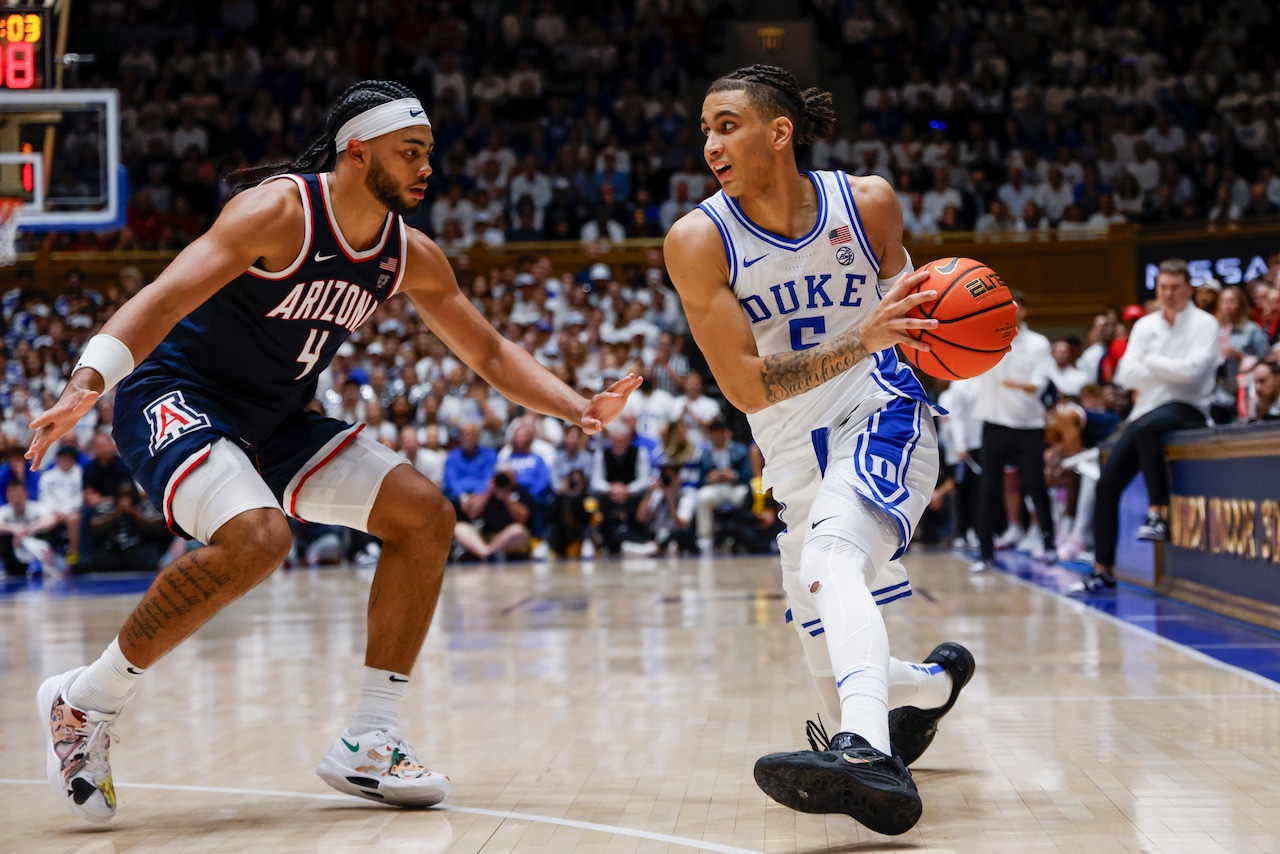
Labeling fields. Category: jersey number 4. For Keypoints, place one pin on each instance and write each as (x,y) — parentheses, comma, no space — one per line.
(311,351)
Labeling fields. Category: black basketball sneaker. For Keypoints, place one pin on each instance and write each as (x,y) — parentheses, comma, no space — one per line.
(852,777)
(911,730)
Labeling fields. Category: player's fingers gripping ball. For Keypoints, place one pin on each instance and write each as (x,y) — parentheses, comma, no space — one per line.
(976,315)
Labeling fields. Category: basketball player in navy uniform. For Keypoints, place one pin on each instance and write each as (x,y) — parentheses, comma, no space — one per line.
(216,362)
(796,286)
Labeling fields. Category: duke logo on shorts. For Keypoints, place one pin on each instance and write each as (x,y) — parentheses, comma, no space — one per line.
(171,418)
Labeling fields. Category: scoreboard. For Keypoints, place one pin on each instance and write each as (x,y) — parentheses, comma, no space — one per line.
(25,48)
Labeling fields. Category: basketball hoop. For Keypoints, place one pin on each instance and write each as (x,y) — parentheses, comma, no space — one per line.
(9,230)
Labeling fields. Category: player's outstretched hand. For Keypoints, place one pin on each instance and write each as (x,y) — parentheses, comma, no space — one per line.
(56,421)
(608,404)
(889,324)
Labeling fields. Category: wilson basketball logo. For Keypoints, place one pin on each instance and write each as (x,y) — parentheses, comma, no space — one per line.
(171,418)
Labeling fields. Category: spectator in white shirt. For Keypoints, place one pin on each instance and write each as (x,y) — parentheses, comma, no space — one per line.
(1054,195)
(696,409)
(1015,193)
(942,196)
(916,220)
(1144,167)
(1013,413)
(62,492)
(1169,363)
(1065,376)
(454,206)
(530,182)
(1165,138)
(428,461)
(1106,215)
(962,433)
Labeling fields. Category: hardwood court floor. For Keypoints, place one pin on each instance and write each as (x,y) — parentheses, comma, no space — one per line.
(621,710)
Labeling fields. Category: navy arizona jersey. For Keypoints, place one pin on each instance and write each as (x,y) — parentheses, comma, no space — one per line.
(259,344)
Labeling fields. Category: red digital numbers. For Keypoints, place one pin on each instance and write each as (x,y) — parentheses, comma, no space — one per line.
(17,65)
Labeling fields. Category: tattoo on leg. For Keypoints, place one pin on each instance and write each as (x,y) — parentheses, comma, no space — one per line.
(190,581)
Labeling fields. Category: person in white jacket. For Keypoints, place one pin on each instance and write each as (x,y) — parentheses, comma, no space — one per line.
(1169,364)
(1011,406)
(962,433)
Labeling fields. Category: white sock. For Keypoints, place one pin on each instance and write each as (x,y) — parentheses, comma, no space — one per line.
(379,705)
(105,685)
(857,640)
(925,686)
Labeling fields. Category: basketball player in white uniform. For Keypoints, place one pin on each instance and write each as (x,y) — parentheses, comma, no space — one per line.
(795,286)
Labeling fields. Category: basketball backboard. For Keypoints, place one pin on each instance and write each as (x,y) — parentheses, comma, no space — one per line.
(60,154)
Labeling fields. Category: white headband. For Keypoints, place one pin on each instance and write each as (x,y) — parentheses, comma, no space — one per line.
(384,118)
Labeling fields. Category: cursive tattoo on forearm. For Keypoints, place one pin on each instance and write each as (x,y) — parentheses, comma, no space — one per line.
(786,375)
(189,582)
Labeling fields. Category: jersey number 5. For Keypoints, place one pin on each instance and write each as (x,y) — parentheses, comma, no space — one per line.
(816,325)
(310,355)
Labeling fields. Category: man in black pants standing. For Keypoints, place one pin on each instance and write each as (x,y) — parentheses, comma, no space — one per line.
(1012,412)
(1169,364)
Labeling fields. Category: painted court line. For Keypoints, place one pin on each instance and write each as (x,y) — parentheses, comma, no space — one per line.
(1191,652)
(518,816)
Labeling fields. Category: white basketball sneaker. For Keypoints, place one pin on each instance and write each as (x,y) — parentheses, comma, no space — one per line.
(382,766)
(77,742)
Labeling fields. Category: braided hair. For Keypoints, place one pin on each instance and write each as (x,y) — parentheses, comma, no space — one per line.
(774,92)
(322,155)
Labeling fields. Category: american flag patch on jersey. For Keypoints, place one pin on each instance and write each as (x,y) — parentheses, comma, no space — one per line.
(389,264)
(840,235)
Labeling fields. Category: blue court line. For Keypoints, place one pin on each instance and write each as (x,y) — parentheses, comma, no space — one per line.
(1251,648)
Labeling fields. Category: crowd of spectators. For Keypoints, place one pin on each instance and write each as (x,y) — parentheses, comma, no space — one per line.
(570,120)
(1022,116)
(666,475)
(567,120)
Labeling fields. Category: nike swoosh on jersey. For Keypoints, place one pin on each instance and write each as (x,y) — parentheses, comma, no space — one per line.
(320,258)
(820,521)
(754,260)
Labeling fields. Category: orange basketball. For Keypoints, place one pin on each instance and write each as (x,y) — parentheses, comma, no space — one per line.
(976,316)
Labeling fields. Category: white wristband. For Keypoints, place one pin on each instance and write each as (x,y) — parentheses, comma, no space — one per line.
(109,356)
(886,284)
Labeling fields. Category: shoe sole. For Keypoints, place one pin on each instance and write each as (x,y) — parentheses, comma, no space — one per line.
(798,782)
(45,696)
(351,782)
(897,717)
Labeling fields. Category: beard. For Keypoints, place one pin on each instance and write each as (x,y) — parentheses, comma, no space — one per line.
(379,182)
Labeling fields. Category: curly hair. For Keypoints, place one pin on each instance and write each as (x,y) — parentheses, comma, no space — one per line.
(775,92)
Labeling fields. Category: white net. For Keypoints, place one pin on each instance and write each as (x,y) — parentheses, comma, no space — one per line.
(9,230)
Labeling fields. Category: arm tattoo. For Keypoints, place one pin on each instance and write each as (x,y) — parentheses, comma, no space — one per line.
(786,375)
(189,582)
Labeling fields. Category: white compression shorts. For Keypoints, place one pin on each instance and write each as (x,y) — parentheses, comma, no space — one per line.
(337,491)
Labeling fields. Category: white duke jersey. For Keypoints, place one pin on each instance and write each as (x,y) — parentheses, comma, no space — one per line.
(797,294)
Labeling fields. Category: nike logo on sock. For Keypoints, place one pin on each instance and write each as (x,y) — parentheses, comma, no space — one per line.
(134,672)
(354,748)
(820,521)
(398,679)
(846,678)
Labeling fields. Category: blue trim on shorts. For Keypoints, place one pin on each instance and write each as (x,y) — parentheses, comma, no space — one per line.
(821,439)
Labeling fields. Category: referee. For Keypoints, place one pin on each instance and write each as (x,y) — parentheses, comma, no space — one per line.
(1012,410)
